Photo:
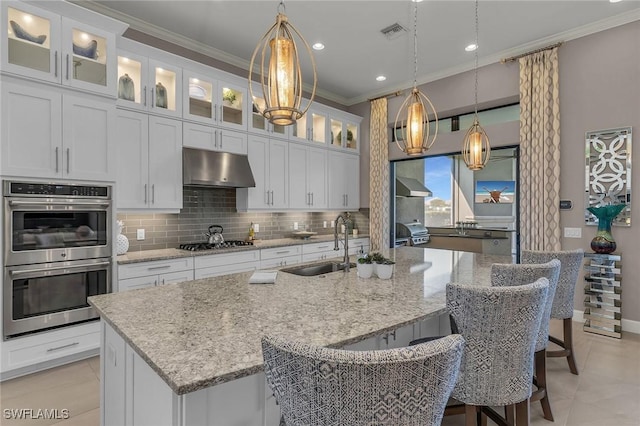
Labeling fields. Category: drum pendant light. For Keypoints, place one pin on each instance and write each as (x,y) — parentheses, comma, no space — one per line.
(475,148)
(415,138)
(280,73)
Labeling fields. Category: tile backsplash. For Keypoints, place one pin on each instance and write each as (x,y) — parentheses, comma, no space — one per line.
(212,206)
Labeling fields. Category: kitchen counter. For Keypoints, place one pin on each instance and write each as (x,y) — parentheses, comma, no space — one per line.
(175,253)
(201,333)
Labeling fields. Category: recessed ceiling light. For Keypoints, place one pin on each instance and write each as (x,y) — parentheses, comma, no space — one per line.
(614,1)
(381,77)
(27,18)
(318,46)
(471,47)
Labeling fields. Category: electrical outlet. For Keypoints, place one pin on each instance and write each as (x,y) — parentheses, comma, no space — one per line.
(324,224)
(295,226)
(333,223)
(573,232)
(140,234)
(256,227)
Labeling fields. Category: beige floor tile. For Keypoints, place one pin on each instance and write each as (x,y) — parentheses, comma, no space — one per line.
(589,414)
(89,418)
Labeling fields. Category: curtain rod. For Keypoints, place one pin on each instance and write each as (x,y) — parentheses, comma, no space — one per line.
(388,95)
(542,49)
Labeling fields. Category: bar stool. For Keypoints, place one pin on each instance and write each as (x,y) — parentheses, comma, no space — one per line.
(562,309)
(503,274)
(500,326)
(317,386)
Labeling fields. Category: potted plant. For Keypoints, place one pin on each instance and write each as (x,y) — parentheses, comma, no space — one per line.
(365,267)
(384,270)
(228,97)
(376,258)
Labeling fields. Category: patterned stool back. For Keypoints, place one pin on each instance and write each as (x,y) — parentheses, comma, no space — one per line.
(500,328)
(571,261)
(317,386)
(503,274)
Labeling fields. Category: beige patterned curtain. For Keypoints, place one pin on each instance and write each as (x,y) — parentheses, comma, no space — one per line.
(540,151)
(379,176)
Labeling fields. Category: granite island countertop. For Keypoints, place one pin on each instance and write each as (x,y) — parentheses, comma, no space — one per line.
(175,253)
(200,333)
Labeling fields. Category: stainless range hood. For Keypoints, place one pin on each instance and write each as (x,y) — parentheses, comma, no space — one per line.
(409,187)
(216,169)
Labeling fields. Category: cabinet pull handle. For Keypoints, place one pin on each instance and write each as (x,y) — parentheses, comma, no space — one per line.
(67,66)
(215,113)
(145,193)
(55,63)
(154,268)
(267,194)
(271,197)
(221,113)
(153,193)
(282,252)
(70,345)
(68,160)
(220,139)
(57,161)
(346,197)
(155,283)
(153,104)
(144,91)
(163,281)
(312,198)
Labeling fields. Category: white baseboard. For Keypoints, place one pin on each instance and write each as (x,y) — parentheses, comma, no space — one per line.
(627,325)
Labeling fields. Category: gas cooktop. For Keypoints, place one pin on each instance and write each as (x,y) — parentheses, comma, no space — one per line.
(200,246)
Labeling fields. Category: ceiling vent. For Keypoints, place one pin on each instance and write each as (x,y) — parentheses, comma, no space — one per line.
(394,31)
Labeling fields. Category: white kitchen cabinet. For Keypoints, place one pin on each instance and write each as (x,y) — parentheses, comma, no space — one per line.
(280,256)
(42,45)
(359,245)
(150,171)
(72,138)
(269,161)
(226,263)
(312,127)
(147,83)
(150,274)
(307,177)
(214,139)
(344,181)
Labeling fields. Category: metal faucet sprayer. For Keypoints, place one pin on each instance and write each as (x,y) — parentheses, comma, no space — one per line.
(346,220)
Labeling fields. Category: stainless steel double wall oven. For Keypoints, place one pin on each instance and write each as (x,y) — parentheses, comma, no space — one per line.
(57,252)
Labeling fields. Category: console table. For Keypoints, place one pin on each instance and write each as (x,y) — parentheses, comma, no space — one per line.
(603,294)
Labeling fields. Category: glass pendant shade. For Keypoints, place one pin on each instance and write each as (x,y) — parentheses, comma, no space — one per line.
(280,72)
(476,149)
(415,137)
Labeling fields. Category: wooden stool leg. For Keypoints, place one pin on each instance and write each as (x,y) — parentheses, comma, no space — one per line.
(568,344)
(470,415)
(509,414)
(522,413)
(540,362)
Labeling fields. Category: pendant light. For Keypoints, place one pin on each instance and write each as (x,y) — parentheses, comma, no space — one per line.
(415,132)
(280,73)
(476,149)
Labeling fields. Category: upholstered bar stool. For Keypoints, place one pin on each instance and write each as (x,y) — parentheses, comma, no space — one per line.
(562,309)
(500,326)
(317,386)
(518,274)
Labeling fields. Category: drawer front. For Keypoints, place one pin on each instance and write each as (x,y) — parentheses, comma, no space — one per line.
(280,252)
(317,247)
(136,283)
(226,259)
(216,271)
(280,262)
(135,270)
(175,277)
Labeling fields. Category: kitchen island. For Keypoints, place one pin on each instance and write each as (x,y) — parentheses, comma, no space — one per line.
(190,354)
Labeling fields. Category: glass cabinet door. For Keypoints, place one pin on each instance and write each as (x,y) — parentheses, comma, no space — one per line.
(32,44)
(299,129)
(351,138)
(199,96)
(132,89)
(232,106)
(164,88)
(258,123)
(318,127)
(336,133)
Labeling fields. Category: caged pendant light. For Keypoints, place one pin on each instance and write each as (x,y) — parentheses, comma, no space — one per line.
(280,73)
(415,138)
(475,148)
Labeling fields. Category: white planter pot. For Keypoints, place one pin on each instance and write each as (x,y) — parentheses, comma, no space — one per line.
(384,272)
(365,270)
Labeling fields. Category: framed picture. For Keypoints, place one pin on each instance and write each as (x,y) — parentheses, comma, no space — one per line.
(495,191)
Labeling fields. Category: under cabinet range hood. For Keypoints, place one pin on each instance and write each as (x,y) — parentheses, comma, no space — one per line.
(216,169)
(409,187)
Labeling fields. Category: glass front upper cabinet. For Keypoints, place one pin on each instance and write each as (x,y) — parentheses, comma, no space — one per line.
(232,100)
(259,124)
(344,134)
(131,90)
(88,64)
(199,95)
(311,127)
(164,88)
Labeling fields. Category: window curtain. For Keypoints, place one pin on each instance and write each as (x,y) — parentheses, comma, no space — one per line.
(540,151)
(379,176)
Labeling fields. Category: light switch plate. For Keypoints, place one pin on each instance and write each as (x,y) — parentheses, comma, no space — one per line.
(324,224)
(573,232)
(256,227)
(295,226)
(140,234)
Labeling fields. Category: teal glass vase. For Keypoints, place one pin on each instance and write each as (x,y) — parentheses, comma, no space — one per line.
(603,242)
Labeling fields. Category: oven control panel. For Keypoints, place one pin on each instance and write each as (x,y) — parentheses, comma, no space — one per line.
(56,190)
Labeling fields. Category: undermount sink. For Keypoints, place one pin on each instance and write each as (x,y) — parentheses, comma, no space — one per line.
(316,269)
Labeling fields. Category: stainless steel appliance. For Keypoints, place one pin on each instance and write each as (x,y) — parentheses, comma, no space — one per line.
(216,169)
(414,233)
(57,252)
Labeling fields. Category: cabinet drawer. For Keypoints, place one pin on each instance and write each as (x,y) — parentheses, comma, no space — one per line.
(280,252)
(311,257)
(280,261)
(216,271)
(135,270)
(317,247)
(226,259)
(175,277)
(138,282)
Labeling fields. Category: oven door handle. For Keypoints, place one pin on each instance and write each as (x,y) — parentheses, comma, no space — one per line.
(89,204)
(38,271)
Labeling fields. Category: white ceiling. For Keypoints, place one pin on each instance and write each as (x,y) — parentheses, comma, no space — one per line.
(356,52)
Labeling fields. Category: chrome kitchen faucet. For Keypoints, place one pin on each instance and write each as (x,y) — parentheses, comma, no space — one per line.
(346,219)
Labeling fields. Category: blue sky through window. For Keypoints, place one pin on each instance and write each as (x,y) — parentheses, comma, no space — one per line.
(437,176)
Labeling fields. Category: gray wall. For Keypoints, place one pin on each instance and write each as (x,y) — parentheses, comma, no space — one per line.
(599,89)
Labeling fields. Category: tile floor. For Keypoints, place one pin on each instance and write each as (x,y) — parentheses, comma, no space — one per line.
(606,393)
